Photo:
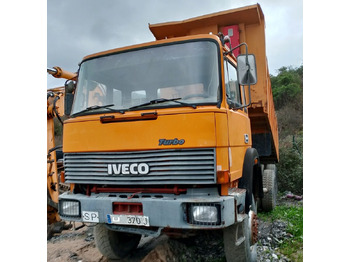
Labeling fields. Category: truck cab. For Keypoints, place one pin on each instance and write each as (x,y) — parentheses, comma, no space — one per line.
(156,119)
(159,139)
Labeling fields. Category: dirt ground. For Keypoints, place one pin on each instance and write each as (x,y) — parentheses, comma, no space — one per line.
(79,246)
(72,246)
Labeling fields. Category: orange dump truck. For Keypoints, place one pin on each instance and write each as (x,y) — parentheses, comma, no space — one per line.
(174,136)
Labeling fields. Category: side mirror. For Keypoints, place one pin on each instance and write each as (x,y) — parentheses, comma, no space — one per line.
(246,69)
(68,97)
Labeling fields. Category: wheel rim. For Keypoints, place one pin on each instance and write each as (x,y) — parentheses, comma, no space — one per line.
(253,222)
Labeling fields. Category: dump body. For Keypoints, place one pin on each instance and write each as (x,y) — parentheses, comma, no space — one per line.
(250,24)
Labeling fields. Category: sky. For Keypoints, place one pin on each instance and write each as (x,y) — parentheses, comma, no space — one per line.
(82,27)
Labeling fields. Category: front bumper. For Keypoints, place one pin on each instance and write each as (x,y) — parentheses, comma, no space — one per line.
(162,210)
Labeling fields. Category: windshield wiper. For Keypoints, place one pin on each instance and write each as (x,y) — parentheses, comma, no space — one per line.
(162,100)
(98,107)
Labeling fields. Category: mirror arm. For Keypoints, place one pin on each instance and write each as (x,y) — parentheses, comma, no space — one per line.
(248,65)
(246,49)
(246,53)
(250,98)
(247,105)
(246,57)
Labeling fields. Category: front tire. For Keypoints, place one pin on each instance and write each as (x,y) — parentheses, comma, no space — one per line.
(113,244)
(236,243)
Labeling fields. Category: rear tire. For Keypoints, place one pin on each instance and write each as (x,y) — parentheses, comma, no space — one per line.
(271,167)
(270,183)
(113,244)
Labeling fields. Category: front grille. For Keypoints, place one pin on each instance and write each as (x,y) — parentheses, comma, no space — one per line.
(168,166)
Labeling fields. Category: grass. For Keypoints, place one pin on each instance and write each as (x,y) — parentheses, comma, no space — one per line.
(293,216)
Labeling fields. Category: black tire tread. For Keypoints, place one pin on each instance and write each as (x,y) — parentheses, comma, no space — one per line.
(269,182)
(114,245)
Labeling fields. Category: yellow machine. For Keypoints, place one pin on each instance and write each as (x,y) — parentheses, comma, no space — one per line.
(174,136)
(55,106)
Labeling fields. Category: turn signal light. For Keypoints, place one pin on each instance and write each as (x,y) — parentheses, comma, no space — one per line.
(62,177)
(223,176)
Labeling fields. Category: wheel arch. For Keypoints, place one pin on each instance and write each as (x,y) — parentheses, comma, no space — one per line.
(251,179)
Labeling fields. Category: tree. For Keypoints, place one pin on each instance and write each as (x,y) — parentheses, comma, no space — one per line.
(287,90)
(287,86)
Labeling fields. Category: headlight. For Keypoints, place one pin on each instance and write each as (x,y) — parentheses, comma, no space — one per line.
(204,214)
(69,208)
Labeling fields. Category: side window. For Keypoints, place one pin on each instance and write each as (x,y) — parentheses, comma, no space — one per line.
(233,94)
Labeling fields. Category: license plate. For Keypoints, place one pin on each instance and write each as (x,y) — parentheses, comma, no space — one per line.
(89,216)
(128,220)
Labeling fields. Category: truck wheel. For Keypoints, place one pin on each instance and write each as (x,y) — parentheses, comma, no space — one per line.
(236,243)
(113,244)
(270,183)
(271,167)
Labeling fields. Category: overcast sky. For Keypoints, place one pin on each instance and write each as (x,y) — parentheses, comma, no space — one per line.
(76,28)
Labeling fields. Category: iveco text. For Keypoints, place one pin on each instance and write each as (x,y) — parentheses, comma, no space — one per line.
(127,169)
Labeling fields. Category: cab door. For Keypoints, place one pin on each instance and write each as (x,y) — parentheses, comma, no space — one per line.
(239,133)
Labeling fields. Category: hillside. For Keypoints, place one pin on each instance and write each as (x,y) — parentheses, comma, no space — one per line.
(287,89)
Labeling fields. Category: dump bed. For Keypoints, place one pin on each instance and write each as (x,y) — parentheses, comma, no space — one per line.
(247,25)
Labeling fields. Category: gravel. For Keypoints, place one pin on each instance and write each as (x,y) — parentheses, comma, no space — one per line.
(271,235)
(208,246)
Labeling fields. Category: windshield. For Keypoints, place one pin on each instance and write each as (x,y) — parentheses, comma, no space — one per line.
(183,72)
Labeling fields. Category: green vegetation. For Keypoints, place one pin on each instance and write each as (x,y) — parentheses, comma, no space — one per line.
(290,167)
(287,86)
(293,216)
(287,89)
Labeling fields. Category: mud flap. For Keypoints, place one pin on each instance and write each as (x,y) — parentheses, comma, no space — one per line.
(236,243)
